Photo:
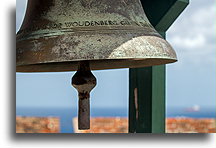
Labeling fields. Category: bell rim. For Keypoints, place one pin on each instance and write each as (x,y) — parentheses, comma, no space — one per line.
(31,56)
(67,66)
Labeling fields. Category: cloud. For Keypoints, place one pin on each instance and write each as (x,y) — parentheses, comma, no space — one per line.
(189,42)
(192,79)
(193,34)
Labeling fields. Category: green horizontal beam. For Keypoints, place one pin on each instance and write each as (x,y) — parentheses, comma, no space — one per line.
(162,13)
(171,15)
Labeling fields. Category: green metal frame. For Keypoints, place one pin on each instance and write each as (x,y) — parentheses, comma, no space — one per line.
(147,85)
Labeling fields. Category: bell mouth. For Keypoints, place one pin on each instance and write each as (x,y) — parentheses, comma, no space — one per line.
(94,65)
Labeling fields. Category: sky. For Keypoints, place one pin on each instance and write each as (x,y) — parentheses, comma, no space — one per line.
(190,81)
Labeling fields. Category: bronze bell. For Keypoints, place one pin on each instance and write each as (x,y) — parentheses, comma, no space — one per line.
(57,35)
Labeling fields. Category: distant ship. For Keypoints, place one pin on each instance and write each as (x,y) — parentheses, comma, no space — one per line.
(195,108)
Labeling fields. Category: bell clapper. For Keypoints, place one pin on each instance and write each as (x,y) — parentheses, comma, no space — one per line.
(84,81)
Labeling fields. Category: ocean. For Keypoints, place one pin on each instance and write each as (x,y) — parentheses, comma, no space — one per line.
(67,114)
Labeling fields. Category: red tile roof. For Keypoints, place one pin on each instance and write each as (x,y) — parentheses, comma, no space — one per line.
(37,125)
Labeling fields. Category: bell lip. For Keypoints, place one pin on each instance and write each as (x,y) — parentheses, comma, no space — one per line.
(130,47)
(94,64)
(164,56)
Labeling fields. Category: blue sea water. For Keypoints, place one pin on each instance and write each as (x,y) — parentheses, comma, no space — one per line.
(184,112)
(67,114)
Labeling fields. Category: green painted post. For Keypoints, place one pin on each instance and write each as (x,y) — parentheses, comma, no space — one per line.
(147,100)
(147,85)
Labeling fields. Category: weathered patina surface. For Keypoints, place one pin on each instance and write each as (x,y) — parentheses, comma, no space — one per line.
(56,34)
